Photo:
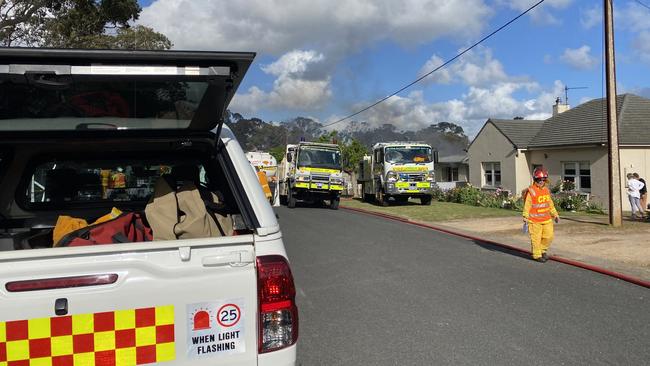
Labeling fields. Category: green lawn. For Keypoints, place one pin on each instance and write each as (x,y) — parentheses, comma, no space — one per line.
(438,211)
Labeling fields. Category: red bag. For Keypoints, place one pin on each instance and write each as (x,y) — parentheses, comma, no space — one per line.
(127,228)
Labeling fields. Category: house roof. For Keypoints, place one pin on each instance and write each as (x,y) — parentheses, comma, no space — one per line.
(585,124)
(519,131)
(459,158)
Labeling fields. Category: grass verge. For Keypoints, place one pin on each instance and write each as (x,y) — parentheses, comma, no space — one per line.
(438,211)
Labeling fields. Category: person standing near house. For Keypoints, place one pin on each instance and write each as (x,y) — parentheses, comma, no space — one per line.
(644,194)
(539,213)
(634,194)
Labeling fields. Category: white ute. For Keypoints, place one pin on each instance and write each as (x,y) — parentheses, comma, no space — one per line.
(86,131)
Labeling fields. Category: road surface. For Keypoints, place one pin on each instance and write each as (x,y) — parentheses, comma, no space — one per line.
(378,292)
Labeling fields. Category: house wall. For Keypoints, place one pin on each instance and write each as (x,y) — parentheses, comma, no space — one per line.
(552,160)
(491,146)
(633,160)
(523,170)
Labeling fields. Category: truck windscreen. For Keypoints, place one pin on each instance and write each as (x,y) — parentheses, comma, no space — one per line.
(403,155)
(319,158)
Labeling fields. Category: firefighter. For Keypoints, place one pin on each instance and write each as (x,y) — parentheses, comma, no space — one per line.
(539,214)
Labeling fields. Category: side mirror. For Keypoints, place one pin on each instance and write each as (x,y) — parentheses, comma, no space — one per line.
(435,156)
(288,157)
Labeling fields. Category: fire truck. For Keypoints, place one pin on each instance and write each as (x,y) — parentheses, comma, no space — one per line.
(311,171)
(397,171)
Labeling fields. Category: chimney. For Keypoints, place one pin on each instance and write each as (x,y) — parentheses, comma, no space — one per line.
(558,107)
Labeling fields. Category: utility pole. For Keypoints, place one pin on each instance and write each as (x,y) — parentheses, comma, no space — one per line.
(615,210)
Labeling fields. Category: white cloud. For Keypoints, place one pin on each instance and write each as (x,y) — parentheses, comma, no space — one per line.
(543,14)
(295,86)
(294,63)
(591,17)
(470,111)
(441,76)
(579,58)
(336,27)
(475,68)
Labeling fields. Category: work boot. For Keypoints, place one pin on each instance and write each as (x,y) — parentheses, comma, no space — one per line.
(545,256)
(540,259)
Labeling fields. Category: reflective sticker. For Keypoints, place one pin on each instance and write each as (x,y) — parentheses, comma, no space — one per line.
(320,170)
(113,338)
(216,328)
(410,168)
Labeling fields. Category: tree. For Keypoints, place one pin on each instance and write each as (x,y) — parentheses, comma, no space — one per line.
(278,152)
(20,20)
(76,24)
(352,154)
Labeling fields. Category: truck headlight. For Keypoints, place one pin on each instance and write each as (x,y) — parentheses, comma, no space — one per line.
(302,175)
(391,177)
(431,177)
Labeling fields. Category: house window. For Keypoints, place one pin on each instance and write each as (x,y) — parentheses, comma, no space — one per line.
(491,174)
(578,172)
(451,174)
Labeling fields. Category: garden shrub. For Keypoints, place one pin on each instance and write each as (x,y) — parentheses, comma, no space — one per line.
(564,200)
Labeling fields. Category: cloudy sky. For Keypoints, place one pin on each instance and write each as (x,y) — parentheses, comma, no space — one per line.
(326,59)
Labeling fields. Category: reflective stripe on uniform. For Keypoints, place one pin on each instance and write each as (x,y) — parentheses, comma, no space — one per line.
(119,338)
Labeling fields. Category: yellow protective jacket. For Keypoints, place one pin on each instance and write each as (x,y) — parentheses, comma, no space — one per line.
(538,205)
(261,176)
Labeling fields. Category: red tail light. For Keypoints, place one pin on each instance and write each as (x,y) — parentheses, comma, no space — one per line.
(278,311)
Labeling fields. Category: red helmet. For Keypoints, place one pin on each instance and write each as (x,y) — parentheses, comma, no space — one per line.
(540,173)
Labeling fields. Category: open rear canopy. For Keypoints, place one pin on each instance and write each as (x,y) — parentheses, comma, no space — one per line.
(63,89)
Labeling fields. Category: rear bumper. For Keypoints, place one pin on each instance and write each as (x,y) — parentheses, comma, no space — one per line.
(409,188)
(283,357)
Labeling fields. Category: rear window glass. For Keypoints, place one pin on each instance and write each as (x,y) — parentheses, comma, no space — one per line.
(63,104)
(65,182)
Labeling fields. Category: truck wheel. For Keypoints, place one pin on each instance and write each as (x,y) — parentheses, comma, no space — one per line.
(382,200)
(291,200)
(367,197)
(334,203)
(425,200)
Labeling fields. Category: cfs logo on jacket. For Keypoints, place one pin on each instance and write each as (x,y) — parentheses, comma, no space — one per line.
(543,199)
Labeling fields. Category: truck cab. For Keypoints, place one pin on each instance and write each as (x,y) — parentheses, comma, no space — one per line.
(398,171)
(89,136)
(312,171)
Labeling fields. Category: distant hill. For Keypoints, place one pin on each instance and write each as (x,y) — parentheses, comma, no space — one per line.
(256,134)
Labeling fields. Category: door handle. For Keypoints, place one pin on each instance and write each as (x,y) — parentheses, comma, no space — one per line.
(233,259)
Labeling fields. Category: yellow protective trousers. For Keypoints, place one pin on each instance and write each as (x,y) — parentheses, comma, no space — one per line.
(541,236)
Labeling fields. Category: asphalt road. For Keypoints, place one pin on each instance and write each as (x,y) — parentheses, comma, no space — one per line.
(378,292)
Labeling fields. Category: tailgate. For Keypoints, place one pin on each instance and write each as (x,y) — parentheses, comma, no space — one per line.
(178,305)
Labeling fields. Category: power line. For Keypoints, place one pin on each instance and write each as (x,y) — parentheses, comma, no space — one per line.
(642,4)
(437,68)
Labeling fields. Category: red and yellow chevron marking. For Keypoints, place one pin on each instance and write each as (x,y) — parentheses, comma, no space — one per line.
(114,338)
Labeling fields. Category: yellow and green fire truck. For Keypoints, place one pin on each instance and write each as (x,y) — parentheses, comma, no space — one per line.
(311,172)
(397,171)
